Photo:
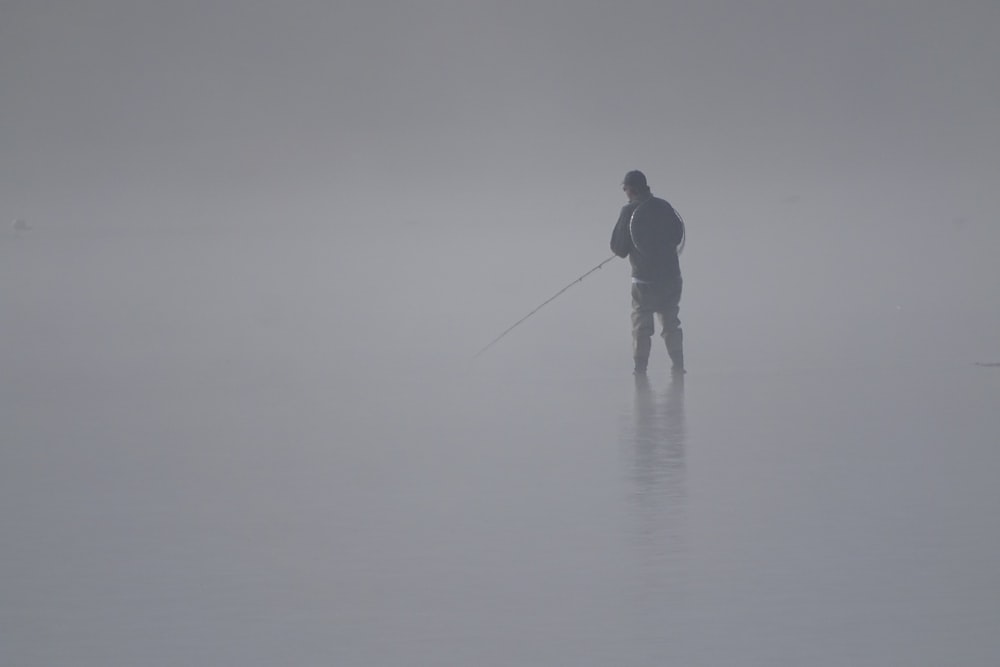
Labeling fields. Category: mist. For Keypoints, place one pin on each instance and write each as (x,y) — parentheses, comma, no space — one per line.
(242,415)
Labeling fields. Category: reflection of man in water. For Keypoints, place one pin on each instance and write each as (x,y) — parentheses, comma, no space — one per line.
(659,504)
(649,232)
(659,437)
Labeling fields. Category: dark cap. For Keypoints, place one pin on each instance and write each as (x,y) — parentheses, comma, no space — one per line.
(635,179)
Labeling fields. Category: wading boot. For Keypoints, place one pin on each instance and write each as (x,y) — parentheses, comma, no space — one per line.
(675,348)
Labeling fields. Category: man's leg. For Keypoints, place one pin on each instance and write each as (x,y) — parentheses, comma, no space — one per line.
(673,335)
(642,326)
(675,348)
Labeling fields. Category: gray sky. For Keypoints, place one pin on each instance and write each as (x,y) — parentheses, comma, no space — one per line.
(111,107)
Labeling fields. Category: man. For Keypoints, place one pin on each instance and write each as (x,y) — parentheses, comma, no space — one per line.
(650,232)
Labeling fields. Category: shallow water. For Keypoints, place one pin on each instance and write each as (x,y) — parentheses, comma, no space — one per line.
(201,465)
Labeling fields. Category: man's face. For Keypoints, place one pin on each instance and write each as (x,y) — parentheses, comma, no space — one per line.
(629,192)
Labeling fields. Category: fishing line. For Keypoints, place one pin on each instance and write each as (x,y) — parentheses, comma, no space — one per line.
(542,305)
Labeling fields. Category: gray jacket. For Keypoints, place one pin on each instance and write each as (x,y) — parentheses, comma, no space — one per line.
(648,232)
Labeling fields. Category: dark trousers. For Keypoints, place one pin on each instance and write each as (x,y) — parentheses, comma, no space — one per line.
(663,300)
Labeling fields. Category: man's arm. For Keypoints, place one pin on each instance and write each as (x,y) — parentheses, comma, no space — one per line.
(621,240)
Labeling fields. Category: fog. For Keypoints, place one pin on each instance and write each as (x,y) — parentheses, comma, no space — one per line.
(241,412)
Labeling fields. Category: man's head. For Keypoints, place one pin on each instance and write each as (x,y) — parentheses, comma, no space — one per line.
(634,185)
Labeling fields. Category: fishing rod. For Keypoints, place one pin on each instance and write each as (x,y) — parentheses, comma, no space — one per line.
(542,305)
